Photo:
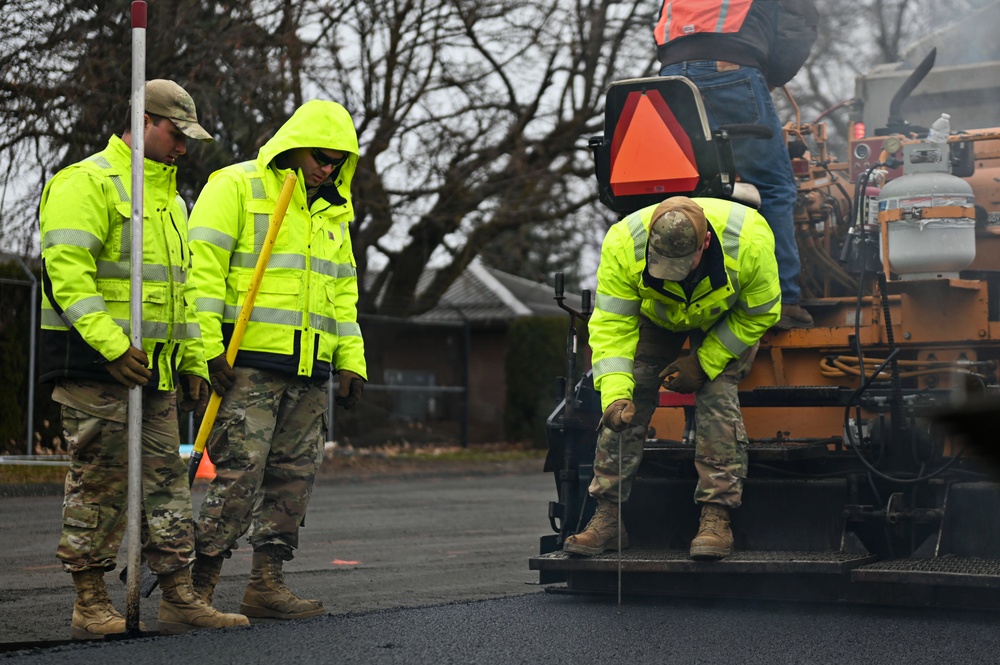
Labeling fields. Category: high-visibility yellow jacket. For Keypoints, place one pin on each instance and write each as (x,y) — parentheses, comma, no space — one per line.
(305,317)
(85,218)
(735,303)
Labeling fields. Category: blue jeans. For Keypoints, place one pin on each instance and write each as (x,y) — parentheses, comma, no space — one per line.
(741,96)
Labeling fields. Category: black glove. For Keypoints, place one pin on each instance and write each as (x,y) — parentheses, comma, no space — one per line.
(222,374)
(195,391)
(130,368)
(684,375)
(351,387)
(618,416)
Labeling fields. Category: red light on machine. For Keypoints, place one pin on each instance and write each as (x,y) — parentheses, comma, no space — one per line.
(800,167)
(859,130)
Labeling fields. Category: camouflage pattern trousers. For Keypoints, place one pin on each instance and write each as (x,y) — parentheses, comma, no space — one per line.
(94,508)
(720,436)
(267,445)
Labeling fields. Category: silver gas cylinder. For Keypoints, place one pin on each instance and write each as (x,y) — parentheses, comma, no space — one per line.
(926,242)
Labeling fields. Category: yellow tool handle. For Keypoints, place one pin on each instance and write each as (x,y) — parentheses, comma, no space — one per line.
(212,410)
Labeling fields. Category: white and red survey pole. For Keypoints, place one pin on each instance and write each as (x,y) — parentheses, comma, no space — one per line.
(133,530)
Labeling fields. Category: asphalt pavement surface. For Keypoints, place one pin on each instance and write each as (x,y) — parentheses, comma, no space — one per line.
(433,569)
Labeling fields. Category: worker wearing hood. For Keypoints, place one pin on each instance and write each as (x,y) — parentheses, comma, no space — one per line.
(267,441)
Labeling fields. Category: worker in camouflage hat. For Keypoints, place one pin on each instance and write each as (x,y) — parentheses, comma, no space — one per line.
(85,218)
(698,271)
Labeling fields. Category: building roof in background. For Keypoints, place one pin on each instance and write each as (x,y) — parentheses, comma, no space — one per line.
(486,296)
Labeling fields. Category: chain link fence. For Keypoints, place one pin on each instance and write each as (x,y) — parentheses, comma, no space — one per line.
(417,390)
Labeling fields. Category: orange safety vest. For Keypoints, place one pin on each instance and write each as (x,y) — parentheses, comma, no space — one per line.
(690,17)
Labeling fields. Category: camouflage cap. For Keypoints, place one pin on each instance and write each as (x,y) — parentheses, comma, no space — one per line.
(168,99)
(677,232)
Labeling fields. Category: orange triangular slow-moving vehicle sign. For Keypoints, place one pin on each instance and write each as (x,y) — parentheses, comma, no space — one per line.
(650,151)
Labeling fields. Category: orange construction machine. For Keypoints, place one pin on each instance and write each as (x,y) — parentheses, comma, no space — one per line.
(871,434)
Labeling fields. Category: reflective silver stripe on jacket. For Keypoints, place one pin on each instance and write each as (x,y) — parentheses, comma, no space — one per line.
(286,317)
(83,307)
(348,329)
(223,241)
(125,255)
(52,320)
(324,323)
(734,226)
(723,13)
(116,180)
(100,160)
(296,262)
(190,330)
(150,329)
(261,221)
(151,272)
(613,365)
(639,235)
(249,260)
(733,344)
(210,305)
(615,305)
(331,269)
(281,317)
(261,224)
(74,238)
(257,189)
(734,280)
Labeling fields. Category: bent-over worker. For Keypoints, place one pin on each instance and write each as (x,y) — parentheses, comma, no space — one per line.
(699,270)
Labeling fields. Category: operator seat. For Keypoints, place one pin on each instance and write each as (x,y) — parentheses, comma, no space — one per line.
(657,143)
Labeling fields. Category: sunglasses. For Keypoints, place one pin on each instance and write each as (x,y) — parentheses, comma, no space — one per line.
(324,159)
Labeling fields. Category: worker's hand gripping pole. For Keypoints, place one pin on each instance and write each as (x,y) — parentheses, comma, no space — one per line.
(241,323)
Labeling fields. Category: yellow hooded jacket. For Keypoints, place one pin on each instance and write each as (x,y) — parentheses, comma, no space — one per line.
(736,302)
(305,318)
(85,218)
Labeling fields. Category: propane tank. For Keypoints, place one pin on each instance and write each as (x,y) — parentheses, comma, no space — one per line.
(931,230)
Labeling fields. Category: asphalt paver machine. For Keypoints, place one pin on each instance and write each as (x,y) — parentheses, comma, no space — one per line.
(873,435)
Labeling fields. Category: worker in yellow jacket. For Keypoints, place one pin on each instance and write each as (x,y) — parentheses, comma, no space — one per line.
(268,440)
(85,219)
(699,270)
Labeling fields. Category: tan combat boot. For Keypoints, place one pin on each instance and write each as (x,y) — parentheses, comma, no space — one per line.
(714,539)
(182,609)
(601,533)
(93,614)
(205,575)
(268,597)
